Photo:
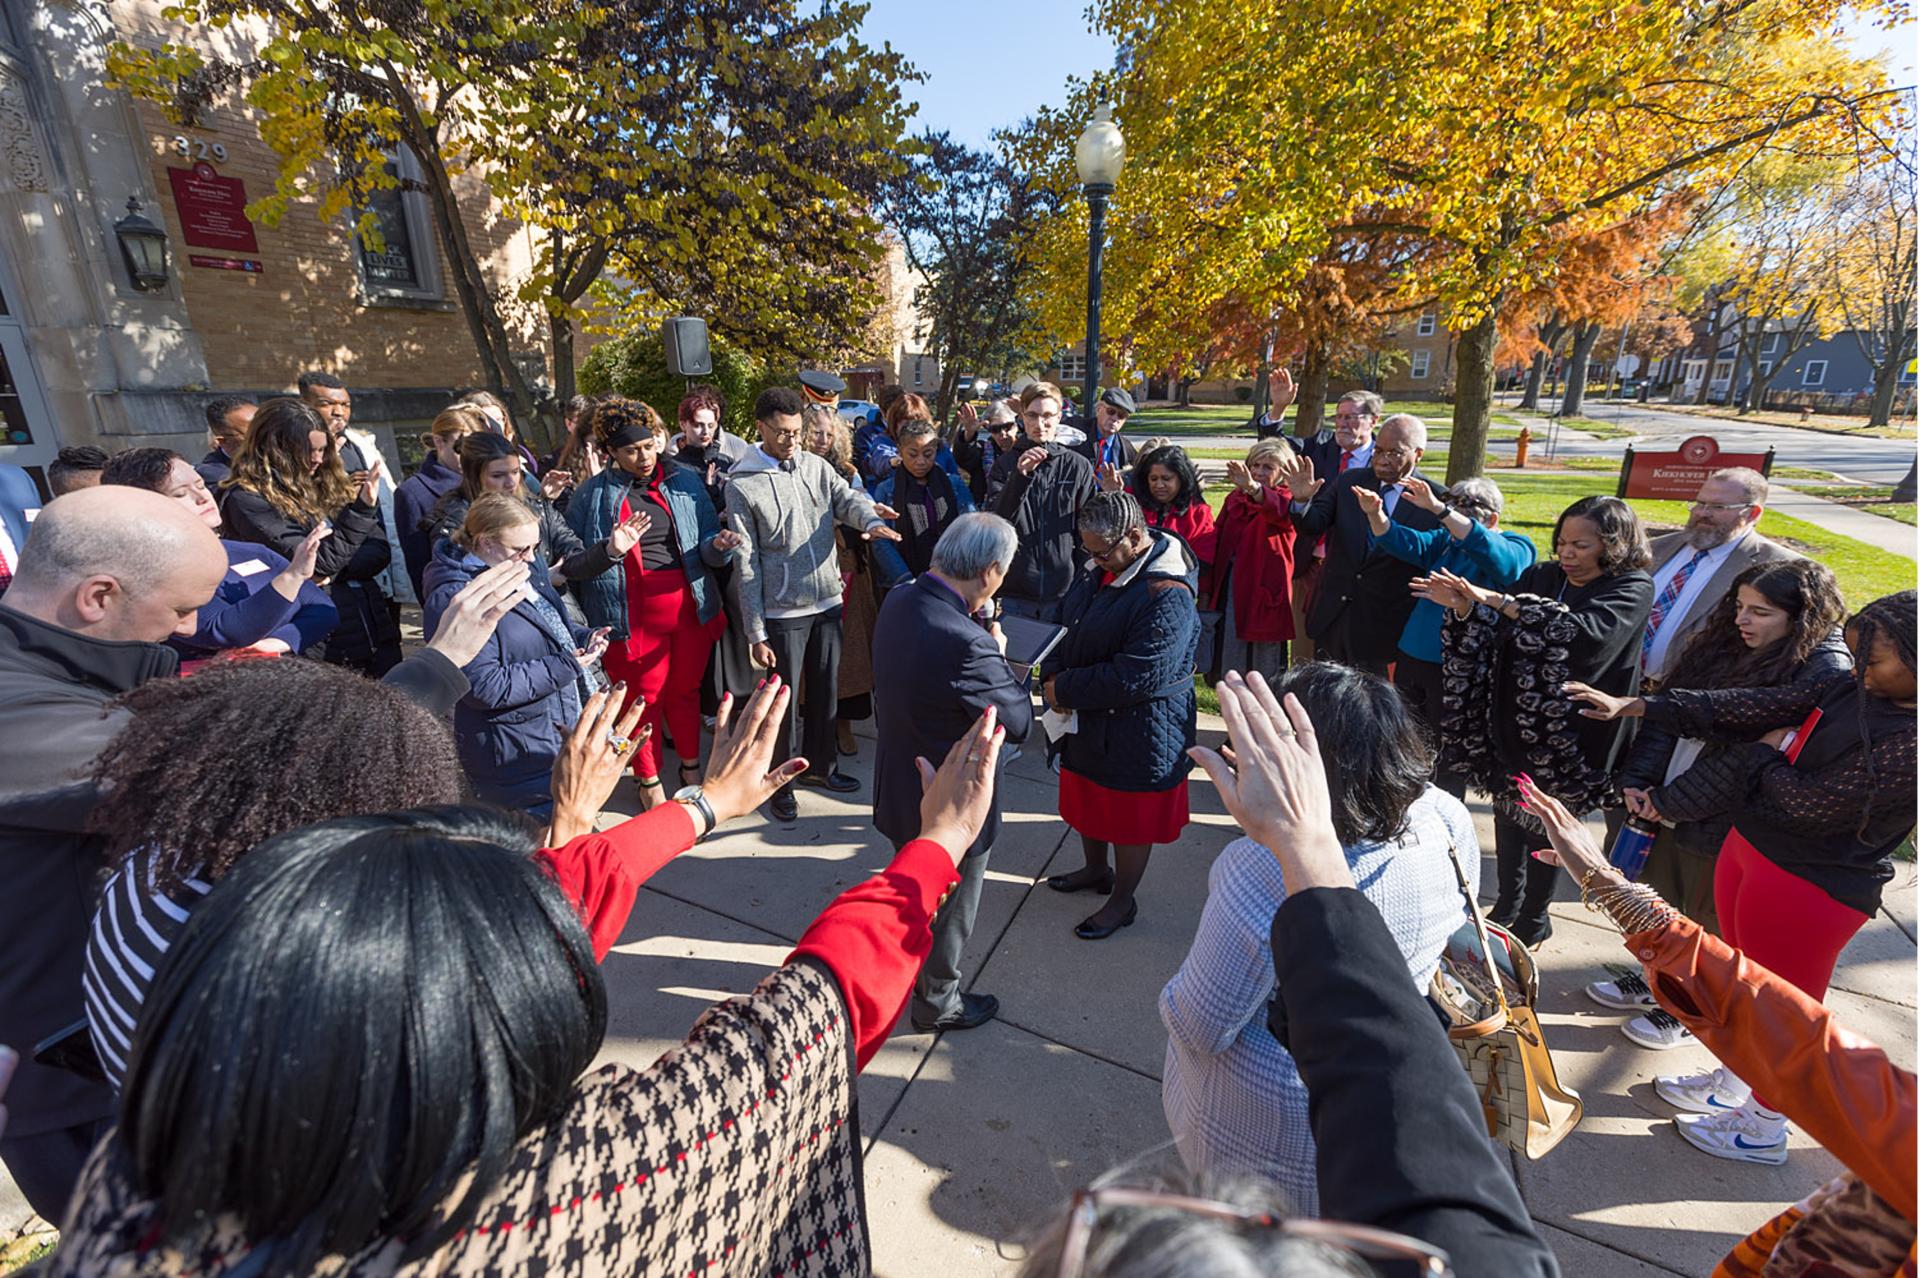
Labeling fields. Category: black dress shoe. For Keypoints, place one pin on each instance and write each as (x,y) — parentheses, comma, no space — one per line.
(1088,930)
(1078,882)
(836,781)
(974,1010)
(783,806)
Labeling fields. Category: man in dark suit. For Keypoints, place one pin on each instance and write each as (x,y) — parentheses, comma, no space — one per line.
(1111,452)
(936,669)
(1362,602)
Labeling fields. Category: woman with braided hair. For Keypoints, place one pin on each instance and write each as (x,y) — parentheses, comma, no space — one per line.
(1818,804)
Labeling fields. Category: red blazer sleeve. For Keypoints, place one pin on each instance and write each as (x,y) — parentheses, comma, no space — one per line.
(601,873)
(1841,1088)
(875,935)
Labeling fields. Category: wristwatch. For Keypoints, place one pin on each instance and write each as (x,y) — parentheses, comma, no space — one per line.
(696,798)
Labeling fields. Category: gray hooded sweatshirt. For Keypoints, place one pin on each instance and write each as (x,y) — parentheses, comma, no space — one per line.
(786,511)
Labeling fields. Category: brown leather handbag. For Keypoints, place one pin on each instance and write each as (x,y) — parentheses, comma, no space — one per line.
(1487,985)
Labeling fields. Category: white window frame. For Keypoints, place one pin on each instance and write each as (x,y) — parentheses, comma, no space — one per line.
(421,237)
(1429,322)
(1766,367)
(1722,371)
(1773,344)
(1073,367)
(1813,373)
(1419,365)
(1693,370)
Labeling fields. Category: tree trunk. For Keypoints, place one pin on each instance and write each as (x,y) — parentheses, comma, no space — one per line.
(1585,334)
(560,334)
(1536,377)
(1886,382)
(1262,383)
(1904,490)
(1183,394)
(1310,404)
(1473,400)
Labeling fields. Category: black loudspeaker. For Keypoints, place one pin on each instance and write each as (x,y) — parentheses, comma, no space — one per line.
(686,342)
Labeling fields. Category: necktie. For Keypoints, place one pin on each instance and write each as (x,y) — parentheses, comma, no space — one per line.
(1346,460)
(1666,601)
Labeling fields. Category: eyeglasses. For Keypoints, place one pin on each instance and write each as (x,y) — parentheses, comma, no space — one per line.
(1392,452)
(1721,505)
(1367,1243)
(1101,556)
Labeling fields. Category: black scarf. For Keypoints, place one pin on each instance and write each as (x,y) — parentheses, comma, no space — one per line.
(918,531)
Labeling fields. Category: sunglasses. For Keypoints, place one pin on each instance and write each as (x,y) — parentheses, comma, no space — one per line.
(1386,1252)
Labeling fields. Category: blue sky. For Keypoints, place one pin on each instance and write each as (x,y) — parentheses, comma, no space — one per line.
(983,71)
(988,63)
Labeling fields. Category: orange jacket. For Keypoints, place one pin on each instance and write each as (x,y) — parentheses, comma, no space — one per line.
(1840,1088)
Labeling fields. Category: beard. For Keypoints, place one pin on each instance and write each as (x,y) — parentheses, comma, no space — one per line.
(1710,536)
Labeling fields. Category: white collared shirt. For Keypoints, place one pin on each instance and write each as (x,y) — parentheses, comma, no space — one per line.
(1690,593)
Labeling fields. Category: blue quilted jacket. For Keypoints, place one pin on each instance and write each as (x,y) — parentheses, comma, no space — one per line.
(594,509)
(1127,666)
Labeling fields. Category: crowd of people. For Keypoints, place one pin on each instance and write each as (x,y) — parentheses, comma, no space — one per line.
(291,893)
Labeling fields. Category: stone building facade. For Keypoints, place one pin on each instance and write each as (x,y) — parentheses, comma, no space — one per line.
(88,356)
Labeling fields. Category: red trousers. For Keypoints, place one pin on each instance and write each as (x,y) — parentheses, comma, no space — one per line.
(663,660)
(1778,919)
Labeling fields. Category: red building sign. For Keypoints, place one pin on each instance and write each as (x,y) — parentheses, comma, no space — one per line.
(213,209)
(1678,475)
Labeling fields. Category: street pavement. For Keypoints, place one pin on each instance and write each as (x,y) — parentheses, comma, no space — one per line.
(971,1138)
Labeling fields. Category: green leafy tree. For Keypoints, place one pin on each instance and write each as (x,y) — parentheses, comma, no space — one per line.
(635,365)
(715,157)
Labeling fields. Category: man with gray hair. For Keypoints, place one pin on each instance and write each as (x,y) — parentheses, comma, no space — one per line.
(106,576)
(1694,568)
(937,666)
(1362,602)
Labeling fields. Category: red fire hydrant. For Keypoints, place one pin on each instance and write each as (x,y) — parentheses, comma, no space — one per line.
(1520,448)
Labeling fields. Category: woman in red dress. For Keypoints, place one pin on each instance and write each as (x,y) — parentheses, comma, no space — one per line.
(1125,671)
(1252,569)
(1168,490)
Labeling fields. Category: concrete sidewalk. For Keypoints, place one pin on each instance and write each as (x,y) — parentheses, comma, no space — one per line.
(972,1138)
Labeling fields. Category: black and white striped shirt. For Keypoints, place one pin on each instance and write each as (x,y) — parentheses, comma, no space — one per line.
(132,931)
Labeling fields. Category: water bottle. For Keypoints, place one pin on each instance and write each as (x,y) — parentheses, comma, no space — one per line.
(1631,845)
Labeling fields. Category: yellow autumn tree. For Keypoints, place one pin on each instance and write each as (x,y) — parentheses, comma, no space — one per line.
(1257,132)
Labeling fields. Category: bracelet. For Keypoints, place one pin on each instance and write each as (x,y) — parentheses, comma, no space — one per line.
(1631,907)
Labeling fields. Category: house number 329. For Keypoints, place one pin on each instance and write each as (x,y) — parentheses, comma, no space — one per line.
(199,148)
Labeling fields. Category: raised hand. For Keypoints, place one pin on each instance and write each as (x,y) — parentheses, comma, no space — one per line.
(1110,480)
(300,568)
(470,619)
(1283,389)
(593,760)
(1369,501)
(1442,593)
(955,798)
(882,531)
(1275,785)
(1602,705)
(1573,845)
(885,512)
(1295,473)
(1239,476)
(1420,493)
(626,534)
(555,482)
(1030,461)
(740,771)
(369,481)
(969,419)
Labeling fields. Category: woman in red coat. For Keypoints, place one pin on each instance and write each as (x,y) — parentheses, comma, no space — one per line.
(1252,568)
(1168,490)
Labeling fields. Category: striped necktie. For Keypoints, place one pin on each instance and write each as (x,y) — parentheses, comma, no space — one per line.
(1666,601)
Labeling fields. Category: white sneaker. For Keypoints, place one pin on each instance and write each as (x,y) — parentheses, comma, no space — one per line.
(1742,1135)
(1714,1092)
(1627,993)
(1657,1030)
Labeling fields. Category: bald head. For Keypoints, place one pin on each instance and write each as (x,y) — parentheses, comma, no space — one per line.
(1398,447)
(117,563)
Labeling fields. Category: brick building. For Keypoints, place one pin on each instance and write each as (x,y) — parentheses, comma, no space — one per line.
(88,356)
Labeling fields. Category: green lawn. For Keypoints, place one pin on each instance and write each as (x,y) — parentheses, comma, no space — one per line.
(1598,428)
(1871,498)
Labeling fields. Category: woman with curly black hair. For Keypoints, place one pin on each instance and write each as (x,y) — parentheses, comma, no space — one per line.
(1579,616)
(1818,805)
(286,482)
(183,799)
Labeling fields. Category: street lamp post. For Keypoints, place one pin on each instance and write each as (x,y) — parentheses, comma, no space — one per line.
(1099,155)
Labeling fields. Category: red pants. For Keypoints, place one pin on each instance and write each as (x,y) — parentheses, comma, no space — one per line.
(662,660)
(1778,919)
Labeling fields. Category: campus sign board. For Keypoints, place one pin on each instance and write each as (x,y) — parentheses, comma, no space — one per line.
(1678,475)
(213,210)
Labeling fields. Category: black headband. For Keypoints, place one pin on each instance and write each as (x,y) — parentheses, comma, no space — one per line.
(628,433)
